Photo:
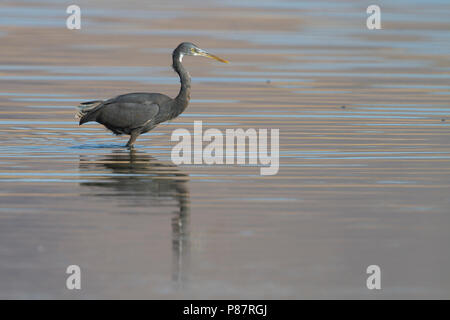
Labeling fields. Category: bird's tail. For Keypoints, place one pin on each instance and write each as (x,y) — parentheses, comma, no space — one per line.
(86,108)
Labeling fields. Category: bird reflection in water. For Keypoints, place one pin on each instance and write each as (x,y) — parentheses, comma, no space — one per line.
(136,179)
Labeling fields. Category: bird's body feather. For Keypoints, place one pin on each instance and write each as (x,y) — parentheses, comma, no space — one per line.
(126,113)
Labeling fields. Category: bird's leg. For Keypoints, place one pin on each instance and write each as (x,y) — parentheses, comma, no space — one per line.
(133,137)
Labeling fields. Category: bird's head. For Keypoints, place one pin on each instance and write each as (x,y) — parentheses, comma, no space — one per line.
(190,49)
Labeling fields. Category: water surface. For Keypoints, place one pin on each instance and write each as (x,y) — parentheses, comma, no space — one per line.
(364,152)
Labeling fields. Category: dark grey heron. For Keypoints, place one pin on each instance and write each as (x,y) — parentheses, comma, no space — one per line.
(137,113)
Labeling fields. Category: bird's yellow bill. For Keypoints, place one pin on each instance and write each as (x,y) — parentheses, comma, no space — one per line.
(208,55)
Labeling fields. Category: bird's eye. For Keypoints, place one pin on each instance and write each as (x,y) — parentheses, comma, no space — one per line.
(193,50)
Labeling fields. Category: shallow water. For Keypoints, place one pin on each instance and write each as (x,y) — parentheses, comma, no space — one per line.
(364,172)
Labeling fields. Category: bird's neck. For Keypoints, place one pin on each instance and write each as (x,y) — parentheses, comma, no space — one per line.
(182,100)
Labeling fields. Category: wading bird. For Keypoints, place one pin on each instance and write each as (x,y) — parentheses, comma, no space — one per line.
(137,113)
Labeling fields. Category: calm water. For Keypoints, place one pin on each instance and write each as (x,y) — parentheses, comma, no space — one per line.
(364,177)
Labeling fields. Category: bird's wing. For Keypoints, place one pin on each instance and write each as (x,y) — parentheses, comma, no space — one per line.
(124,115)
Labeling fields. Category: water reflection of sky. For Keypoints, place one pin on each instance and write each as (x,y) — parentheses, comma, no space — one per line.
(353,182)
(347,19)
